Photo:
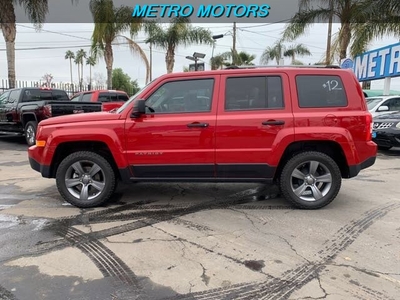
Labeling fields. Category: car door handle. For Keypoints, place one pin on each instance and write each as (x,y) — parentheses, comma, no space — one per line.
(196,124)
(273,122)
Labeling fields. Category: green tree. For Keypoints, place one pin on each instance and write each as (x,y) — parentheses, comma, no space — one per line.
(36,11)
(350,13)
(241,58)
(79,59)
(218,61)
(91,62)
(122,81)
(383,19)
(274,52)
(70,55)
(296,50)
(110,23)
(178,33)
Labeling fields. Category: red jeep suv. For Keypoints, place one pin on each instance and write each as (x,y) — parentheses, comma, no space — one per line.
(304,128)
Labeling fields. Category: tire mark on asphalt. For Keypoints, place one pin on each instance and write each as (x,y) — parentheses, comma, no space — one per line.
(6,295)
(109,264)
(292,280)
(341,241)
(151,217)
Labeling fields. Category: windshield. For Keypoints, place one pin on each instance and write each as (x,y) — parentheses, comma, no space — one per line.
(131,99)
(372,102)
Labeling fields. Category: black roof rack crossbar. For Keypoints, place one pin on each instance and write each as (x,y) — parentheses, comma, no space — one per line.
(283,66)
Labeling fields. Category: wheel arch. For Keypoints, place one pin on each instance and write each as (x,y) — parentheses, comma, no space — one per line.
(330,148)
(67,148)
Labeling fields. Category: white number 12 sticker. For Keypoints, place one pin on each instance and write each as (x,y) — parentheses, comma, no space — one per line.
(332,85)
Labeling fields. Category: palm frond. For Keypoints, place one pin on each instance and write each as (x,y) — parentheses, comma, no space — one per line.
(136,49)
(35,10)
(302,20)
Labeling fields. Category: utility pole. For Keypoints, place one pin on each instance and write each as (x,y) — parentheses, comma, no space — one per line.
(234,44)
(329,39)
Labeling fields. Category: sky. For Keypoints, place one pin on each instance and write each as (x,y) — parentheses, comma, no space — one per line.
(34,62)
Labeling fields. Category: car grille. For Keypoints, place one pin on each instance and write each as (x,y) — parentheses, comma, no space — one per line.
(382,125)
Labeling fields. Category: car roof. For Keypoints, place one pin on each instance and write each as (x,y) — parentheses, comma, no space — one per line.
(305,69)
(104,91)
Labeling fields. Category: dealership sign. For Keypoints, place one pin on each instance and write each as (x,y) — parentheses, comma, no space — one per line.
(378,64)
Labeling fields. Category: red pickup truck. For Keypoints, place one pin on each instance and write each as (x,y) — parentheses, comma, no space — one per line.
(304,128)
(110,99)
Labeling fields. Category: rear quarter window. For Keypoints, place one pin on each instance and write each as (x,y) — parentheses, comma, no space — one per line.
(315,91)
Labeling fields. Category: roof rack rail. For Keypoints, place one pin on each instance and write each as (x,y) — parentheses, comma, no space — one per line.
(283,66)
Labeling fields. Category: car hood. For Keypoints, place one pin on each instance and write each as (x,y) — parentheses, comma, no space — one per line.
(83,117)
(393,116)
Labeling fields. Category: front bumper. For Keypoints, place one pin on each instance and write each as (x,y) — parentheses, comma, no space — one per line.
(34,158)
(387,138)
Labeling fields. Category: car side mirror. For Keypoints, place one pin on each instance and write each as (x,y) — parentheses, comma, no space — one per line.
(139,108)
(383,108)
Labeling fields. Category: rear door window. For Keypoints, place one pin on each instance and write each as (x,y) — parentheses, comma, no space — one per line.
(316,91)
(113,97)
(123,97)
(104,97)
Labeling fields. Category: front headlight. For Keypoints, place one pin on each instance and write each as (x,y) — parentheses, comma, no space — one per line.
(398,125)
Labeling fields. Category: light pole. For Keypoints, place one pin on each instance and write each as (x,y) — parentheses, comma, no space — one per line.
(196,56)
(215,37)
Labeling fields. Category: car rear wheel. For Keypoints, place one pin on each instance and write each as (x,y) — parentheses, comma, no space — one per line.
(30,133)
(85,179)
(310,180)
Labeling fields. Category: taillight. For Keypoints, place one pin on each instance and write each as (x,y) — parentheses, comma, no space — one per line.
(47,110)
(369,126)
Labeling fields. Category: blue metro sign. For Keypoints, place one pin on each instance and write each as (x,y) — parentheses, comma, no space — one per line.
(378,63)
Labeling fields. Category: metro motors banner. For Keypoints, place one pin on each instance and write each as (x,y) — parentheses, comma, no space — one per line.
(378,63)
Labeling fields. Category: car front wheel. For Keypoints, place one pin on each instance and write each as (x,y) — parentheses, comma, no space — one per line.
(85,179)
(30,133)
(310,180)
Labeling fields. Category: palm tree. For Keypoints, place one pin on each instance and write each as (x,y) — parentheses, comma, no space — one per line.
(91,62)
(231,58)
(217,62)
(110,23)
(294,50)
(70,55)
(36,11)
(245,59)
(179,32)
(79,59)
(379,23)
(275,52)
(350,13)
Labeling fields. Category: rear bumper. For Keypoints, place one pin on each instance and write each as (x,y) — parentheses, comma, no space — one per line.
(355,169)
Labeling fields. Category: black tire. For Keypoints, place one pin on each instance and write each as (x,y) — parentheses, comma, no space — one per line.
(104,177)
(384,147)
(325,165)
(30,132)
